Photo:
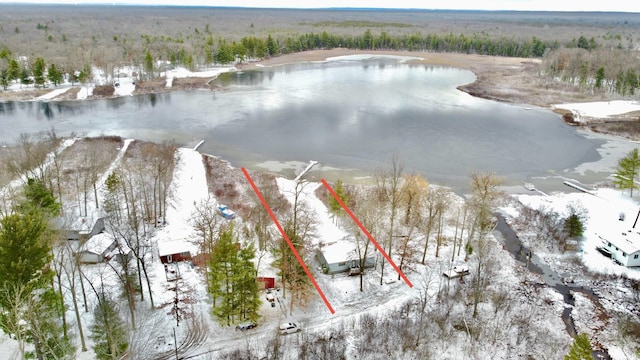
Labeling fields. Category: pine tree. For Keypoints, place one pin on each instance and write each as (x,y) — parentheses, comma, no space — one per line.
(291,273)
(38,71)
(4,79)
(272,47)
(627,171)
(39,197)
(109,331)
(232,280)
(247,286)
(580,349)
(44,328)
(24,250)
(334,206)
(14,70)
(85,74)
(599,78)
(148,64)
(24,77)
(25,292)
(573,226)
(54,75)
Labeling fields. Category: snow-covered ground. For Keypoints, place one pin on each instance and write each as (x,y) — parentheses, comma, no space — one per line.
(604,207)
(600,109)
(189,187)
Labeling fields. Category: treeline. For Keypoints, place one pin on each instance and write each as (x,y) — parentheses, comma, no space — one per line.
(475,44)
(581,61)
(612,70)
(159,49)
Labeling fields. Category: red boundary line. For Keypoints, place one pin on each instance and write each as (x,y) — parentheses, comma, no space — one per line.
(355,219)
(293,249)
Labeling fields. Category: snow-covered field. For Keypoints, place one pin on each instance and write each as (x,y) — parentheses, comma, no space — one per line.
(386,300)
(600,109)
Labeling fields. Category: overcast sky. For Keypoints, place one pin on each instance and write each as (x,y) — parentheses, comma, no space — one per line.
(550,5)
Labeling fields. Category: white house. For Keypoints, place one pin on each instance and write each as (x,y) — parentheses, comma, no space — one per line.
(624,246)
(342,256)
(97,248)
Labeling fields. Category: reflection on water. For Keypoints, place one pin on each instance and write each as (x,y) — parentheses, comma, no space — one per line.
(349,114)
(45,107)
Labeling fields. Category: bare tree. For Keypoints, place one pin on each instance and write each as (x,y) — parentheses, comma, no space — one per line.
(389,185)
(368,211)
(68,261)
(30,160)
(299,227)
(433,205)
(485,194)
(207,222)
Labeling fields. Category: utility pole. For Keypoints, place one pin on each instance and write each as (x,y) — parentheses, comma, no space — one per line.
(176,300)
(175,343)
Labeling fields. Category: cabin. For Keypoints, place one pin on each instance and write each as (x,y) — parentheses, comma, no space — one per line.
(266,283)
(97,249)
(80,231)
(342,256)
(173,251)
(624,247)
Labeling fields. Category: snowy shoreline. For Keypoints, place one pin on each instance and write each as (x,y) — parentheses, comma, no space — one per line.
(582,111)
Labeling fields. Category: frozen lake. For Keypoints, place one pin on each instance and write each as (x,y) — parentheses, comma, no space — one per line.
(345,114)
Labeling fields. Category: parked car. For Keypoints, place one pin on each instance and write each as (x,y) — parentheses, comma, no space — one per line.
(226,212)
(270,297)
(246,326)
(289,328)
(457,271)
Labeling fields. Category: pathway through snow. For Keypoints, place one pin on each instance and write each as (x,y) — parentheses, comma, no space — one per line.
(189,187)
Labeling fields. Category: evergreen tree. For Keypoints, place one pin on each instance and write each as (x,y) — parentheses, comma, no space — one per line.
(627,171)
(580,349)
(232,281)
(224,55)
(5,53)
(54,75)
(334,206)
(4,78)
(25,293)
(573,226)
(599,78)
(292,274)
(38,71)
(148,64)
(247,286)
(109,331)
(40,198)
(44,328)
(24,77)
(14,70)
(24,250)
(85,74)
(272,47)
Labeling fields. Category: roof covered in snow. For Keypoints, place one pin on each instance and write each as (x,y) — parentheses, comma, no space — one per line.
(170,247)
(339,251)
(627,240)
(99,243)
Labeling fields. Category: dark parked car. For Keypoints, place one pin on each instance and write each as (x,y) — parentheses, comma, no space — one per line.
(246,326)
